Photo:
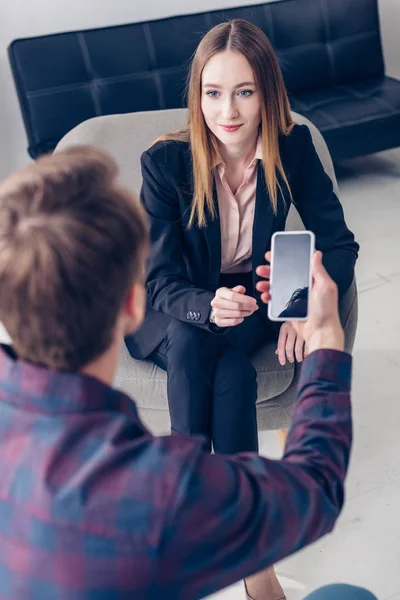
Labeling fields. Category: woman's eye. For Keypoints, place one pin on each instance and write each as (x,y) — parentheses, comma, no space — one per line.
(245,93)
(213,94)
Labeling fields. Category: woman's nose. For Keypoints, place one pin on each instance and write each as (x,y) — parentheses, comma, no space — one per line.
(229,110)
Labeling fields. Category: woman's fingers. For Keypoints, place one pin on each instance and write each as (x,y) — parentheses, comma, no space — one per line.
(239,300)
(299,348)
(224,313)
(231,300)
(288,347)
(228,322)
(263,271)
(232,306)
(281,349)
(263,286)
(290,344)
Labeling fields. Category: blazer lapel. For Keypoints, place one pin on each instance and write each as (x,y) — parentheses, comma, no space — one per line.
(264,219)
(212,232)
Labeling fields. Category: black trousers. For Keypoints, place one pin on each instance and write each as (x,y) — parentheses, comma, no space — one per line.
(212,384)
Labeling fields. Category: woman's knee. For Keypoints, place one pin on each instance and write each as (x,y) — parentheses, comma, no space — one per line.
(184,337)
(236,371)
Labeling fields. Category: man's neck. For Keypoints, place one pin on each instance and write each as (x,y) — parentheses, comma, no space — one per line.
(104,367)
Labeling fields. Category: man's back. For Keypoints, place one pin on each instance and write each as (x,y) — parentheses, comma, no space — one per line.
(92,506)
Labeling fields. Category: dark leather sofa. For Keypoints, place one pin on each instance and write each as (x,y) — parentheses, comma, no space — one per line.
(330,52)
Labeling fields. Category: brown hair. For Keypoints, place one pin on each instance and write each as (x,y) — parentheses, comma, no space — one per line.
(247,39)
(72,243)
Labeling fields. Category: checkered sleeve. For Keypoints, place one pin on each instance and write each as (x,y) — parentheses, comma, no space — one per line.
(233,517)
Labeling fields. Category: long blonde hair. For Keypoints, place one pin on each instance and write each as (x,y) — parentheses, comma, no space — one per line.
(247,39)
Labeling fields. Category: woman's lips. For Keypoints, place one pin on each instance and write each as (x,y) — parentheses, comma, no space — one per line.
(230,128)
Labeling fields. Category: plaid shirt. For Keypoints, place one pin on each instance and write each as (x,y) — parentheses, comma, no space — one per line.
(93,507)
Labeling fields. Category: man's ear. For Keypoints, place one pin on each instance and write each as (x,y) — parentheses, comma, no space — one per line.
(133,309)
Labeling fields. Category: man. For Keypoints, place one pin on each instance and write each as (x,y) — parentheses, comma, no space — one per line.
(91,505)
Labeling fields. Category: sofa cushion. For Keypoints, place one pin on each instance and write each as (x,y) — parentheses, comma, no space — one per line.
(357,118)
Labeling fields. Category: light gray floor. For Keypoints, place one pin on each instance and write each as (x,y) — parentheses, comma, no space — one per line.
(365,547)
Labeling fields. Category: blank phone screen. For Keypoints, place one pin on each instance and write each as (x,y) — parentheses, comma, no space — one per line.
(290,277)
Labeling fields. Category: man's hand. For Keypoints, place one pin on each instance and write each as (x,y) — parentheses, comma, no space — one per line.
(322,328)
(231,306)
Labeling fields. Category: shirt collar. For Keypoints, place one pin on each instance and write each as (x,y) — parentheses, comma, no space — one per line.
(258,155)
(38,389)
(259,150)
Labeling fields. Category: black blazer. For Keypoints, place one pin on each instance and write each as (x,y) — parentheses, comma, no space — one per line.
(184,264)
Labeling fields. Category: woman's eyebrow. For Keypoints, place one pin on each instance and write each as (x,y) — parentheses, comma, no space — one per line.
(215,85)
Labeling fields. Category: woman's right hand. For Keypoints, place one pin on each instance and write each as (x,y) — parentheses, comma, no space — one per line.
(232,306)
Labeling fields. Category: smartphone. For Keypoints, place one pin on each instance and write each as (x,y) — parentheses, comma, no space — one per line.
(291,255)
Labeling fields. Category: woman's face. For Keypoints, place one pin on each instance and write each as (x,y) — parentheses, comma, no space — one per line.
(230,99)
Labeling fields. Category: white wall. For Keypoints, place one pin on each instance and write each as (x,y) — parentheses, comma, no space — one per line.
(389,11)
(23,18)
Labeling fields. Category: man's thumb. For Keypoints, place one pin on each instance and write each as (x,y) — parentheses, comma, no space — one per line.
(318,269)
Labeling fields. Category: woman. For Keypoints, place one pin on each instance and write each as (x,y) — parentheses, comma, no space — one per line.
(215,192)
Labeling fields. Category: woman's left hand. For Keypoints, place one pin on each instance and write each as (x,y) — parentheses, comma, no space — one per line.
(290,344)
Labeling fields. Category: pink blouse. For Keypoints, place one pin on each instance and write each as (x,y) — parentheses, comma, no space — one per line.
(236,212)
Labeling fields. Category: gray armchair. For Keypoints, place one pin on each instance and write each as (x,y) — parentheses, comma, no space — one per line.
(125,137)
